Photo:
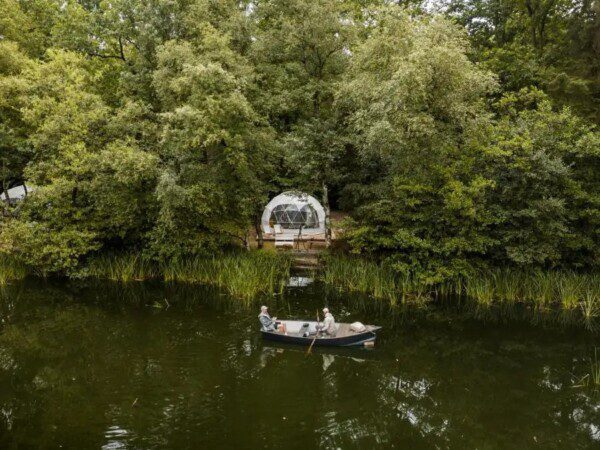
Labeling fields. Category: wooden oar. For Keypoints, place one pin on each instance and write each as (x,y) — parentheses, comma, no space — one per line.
(316,336)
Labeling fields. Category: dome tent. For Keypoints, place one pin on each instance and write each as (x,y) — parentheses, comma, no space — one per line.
(17,193)
(294,212)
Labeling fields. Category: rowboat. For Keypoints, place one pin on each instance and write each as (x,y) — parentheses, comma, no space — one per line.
(303,332)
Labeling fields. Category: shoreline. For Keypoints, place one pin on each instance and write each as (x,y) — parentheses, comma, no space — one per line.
(250,276)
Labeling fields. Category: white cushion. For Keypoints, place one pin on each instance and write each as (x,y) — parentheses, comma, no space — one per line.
(358,327)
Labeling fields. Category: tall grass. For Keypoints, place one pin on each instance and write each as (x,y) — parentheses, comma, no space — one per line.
(578,294)
(592,378)
(246,275)
(122,267)
(565,289)
(595,370)
(590,309)
(570,289)
(377,281)
(484,289)
(11,269)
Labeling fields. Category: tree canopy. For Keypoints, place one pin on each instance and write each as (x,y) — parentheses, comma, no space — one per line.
(456,135)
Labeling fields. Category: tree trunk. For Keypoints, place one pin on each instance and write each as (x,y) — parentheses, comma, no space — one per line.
(259,232)
(6,194)
(6,203)
(327,215)
(531,11)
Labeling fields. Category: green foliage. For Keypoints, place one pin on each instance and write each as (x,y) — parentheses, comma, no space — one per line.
(550,44)
(47,250)
(122,267)
(299,53)
(132,139)
(414,107)
(547,197)
(215,147)
(11,269)
(545,290)
(381,282)
(162,127)
(14,151)
(447,187)
(244,275)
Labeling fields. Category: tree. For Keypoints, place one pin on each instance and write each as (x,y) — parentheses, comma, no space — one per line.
(414,106)
(301,50)
(91,188)
(550,44)
(447,187)
(216,148)
(14,150)
(544,165)
(163,126)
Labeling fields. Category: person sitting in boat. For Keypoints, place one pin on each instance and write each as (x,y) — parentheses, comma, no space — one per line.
(268,323)
(328,327)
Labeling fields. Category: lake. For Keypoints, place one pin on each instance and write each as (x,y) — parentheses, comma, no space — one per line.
(149,365)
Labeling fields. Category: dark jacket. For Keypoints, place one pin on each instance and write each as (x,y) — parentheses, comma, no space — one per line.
(267,323)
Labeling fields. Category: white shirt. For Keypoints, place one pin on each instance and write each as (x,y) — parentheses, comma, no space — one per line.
(329,324)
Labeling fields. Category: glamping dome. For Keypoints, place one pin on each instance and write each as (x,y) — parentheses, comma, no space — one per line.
(293,213)
(16,194)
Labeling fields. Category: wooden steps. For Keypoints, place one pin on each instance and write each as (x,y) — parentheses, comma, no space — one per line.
(305,259)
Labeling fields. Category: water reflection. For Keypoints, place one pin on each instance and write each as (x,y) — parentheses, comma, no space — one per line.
(327,361)
(299,281)
(100,366)
(116,437)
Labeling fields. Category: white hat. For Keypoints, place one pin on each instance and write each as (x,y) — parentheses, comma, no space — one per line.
(325,310)
(263,308)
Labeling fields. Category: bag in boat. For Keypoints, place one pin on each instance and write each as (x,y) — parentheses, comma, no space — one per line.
(304,330)
(358,327)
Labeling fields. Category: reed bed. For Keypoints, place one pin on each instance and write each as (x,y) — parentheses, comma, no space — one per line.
(544,289)
(245,275)
(121,267)
(11,269)
(573,292)
(378,281)
(595,370)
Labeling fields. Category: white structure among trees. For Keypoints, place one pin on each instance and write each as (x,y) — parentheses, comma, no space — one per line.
(16,193)
(293,214)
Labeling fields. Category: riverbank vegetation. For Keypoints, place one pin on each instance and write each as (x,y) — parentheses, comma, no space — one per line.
(461,139)
(121,267)
(244,275)
(11,269)
(592,378)
(549,291)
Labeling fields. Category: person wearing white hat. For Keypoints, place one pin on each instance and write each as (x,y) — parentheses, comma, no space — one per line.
(268,323)
(328,327)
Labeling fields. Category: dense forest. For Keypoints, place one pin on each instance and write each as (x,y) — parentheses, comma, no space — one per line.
(457,135)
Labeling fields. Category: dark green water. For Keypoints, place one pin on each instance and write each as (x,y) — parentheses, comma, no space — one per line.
(105,366)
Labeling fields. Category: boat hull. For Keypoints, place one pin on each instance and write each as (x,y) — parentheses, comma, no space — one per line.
(345,341)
